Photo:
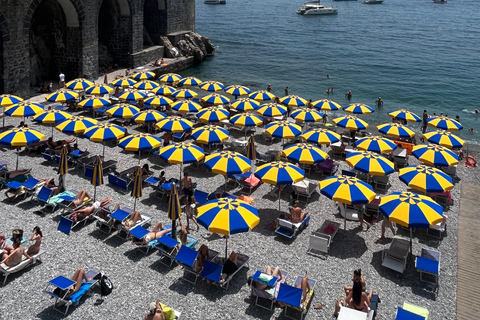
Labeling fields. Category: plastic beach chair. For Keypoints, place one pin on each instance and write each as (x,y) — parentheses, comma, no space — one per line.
(200,196)
(188,259)
(403,314)
(65,225)
(166,245)
(291,296)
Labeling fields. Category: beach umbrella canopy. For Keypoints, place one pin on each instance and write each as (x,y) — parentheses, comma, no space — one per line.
(213,114)
(210,134)
(190,81)
(435,155)
(237,90)
(351,123)
(123,82)
(184,94)
(61,95)
(326,105)
(375,144)
(186,106)
(79,84)
(137,190)
(321,136)
(143,75)
(140,142)
(146,85)
(251,150)
(271,110)
(174,124)
(212,86)
(181,152)
(158,101)
(24,109)
(444,123)
(147,116)
(215,99)
(411,210)
(164,90)
(370,162)
(261,95)
(94,103)
(76,124)
(306,115)
(104,132)
(52,116)
(174,208)
(244,105)
(63,165)
(246,119)
(405,115)
(170,78)
(304,153)
(396,130)
(425,178)
(97,177)
(283,129)
(132,95)
(122,110)
(293,101)
(227,163)
(280,173)
(358,108)
(99,89)
(20,137)
(444,138)
(7,100)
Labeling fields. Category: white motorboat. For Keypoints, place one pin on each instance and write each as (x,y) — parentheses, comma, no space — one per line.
(373,1)
(440,1)
(216,1)
(314,7)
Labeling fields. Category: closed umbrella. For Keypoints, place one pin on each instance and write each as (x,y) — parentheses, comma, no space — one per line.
(251,150)
(137,190)
(244,105)
(62,95)
(435,155)
(395,130)
(425,179)
(405,115)
(358,108)
(321,136)
(63,165)
(174,209)
(20,137)
(210,134)
(213,114)
(375,144)
(97,177)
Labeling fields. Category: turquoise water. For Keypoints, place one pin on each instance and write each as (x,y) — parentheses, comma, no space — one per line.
(415,54)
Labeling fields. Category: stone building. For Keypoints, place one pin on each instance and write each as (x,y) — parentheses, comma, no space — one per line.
(41,38)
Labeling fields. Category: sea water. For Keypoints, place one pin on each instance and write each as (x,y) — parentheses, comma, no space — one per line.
(415,54)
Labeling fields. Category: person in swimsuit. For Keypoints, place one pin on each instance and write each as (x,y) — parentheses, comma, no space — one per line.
(12,174)
(156,312)
(79,276)
(37,237)
(187,186)
(230,266)
(132,220)
(357,276)
(156,233)
(296,215)
(202,256)
(357,298)
(7,249)
(275,272)
(84,212)
(361,212)
(189,210)
(15,257)
(79,199)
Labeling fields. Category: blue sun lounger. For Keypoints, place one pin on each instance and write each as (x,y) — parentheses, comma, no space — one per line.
(138,233)
(291,296)
(403,314)
(166,246)
(188,259)
(213,271)
(63,284)
(270,292)
(28,186)
(43,196)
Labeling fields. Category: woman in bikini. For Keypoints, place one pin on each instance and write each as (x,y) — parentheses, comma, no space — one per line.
(357,276)
(189,210)
(78,277)
(37,237)
(84,212)
(276,273)
(80,198)
(12,174)
(7,249)
(132,220)
(15,257)
(156,233)
(357,299)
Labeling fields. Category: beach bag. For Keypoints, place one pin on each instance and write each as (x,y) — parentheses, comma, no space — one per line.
(339,303)
(106,285)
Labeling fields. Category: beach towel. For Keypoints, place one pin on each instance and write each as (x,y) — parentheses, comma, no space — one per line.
(58,198)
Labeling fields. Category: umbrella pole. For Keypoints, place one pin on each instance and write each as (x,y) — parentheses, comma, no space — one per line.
(17,160)
(226,247)
(3,117)
(94,192)
(104,150)
(345,216)
(225,183)
(279,190)
(174,229)
(410,241)
(139,157)
(134,204)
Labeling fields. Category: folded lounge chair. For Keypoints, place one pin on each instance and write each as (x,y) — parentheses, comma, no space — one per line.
(188,259)
(6,270)
(62,284)
(291,296)
(43,197)
(428,265)
(396,256)
(320,240)
(289,229)
(268,294)
(213,271)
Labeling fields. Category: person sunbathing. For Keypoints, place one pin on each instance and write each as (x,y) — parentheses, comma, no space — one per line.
(7,249)
(79,276)
(230,266)
(276,273)
(7,175)
(156,312)
(357,299)
(80,199)
(15,257)
(202,256)
(156,233)
(357,276)
(296,215)
(132,220)
(16,192)
(305,286)
(82,213)
(37,237)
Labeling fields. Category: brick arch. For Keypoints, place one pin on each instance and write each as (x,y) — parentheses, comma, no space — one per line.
(124,7)
(73,10)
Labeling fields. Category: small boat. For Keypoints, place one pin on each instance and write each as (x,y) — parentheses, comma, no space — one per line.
(373,1)
(314,7)
(440,1)
(216,1)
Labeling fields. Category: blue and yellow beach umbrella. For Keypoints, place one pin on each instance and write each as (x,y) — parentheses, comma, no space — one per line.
(61,95)
(190,81)
(148,116)
(20,137)
(293,101)
(304,153)
(227,163)
(358,108)
(94,103)
(143,75)
(79,84)
(213,114)
(140,142)
(444,123)
(246,119)
(170,78)
(351,123)
(97,177)
(181,152)
(435,155)
(76,124)
(370,162)
(24,109)
(306,115)
(122,110)
(174,124)
(164,90)
(124,82)
(184,94)
(326,105)
(99,89)
(375,144)
(272,110)
(215,99)
(444,138)
(280,173)
(347,190)
(210,134)
(186,106)
(283,129)
(261,95)
(146,85)
(405,115)
(52,116)
(137,190)
(7,100)
(321,136)
(63,165)
(396,130)
(104,132)
(237,90)
(411,210)
(132,95)
(244,105)
(425,178)
(157,101)
(211,86)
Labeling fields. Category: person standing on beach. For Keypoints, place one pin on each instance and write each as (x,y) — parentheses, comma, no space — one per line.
(61,80)
(425,117)
(379,102)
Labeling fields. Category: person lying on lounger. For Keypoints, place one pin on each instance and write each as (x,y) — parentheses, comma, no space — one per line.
(230,266)
(86,211)
(156,233)
(7,249)
(305,286)
(296,215)
(15,257)
(78,277)
(132,220)
(80,198)
(276,273)
(202,256)
(7,175)
(37,237)
(156,312)
(16,192)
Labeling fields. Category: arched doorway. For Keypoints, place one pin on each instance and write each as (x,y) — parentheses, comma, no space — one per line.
(2,67)
(151,23)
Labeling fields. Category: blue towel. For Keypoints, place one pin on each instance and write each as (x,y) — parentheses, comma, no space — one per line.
(79,294)
(58,198)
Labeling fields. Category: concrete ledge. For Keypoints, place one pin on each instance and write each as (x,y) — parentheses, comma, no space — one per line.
(146,56)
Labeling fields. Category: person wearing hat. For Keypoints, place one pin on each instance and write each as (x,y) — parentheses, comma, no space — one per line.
(156,312)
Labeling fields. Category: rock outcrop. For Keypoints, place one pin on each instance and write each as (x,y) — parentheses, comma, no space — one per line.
(193,44)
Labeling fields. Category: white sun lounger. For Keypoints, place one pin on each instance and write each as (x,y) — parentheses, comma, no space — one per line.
(6,270)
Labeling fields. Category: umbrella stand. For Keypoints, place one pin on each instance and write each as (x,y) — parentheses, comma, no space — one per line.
(139,157)
(103,150)
(52,130)
(94,193)
(3,118)
(17,159)
(174,229)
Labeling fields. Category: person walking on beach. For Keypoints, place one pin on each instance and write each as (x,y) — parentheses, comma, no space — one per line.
(61,80)
(425,118)
(379,102)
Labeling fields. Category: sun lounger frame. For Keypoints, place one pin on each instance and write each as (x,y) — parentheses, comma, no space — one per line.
(226,283)
(25,263)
